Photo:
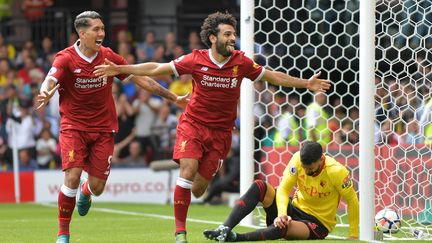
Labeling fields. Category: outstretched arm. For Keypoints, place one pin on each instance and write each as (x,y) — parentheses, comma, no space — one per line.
(142,69)
(154,87)
(285,80)
(47,90)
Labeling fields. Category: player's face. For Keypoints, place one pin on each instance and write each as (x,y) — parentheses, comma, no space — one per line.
(92,37)
(314,168)
(225,41)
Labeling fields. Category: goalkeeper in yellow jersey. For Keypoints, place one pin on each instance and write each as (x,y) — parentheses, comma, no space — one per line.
(310,214)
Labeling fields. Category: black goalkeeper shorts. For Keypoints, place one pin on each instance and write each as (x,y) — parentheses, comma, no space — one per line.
(317,230)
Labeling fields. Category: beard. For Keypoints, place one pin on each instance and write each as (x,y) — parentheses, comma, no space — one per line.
(222,49)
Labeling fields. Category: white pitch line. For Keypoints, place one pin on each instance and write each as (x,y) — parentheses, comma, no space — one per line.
(160,216)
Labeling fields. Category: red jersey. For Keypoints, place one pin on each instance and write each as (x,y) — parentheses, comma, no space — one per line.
(86,101)
(216,86)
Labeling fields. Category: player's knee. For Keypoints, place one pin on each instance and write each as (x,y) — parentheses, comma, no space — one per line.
(97,189)
(187,172)
(72,180)
(262,188)
(198,192)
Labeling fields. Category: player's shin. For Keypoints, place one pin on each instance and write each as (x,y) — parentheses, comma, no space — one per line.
(246,203)
(269,233)
(182,198)
(66,205)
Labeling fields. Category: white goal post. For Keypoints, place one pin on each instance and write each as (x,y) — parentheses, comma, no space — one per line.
(378,56)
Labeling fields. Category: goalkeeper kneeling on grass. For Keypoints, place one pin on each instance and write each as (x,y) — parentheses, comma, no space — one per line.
(310,214)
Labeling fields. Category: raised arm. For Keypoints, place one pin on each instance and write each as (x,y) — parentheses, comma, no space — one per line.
(285,80)
(47,90)
(142,69)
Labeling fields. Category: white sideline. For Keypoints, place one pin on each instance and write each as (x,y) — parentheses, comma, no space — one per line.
(152,215)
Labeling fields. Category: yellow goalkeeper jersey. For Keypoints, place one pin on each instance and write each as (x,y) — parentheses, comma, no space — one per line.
(319,195)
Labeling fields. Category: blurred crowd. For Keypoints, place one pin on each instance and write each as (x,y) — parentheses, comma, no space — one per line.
(403,116)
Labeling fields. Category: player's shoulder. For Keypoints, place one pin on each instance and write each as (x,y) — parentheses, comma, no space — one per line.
(296,159)
(333,167)
(67,52)
(237,54)
(106,51)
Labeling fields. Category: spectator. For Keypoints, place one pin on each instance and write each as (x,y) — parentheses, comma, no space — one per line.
(412,134)
(165,129)
(9,48)
(169,45)
(4,69)
(194,42)
(124,43)
(178,52)
(28,51)
(24,73)
(386,134)
(46,147)
(26,129)
(9,106)
(145,110)
(146,50)
(287,128)
(182,86)
(316,120)
(5,162)
(45,51)
(135,158)
(26,161)
(125,116)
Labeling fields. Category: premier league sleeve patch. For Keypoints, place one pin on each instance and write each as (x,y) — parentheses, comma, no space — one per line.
(293,170)
(347,182)
(52,71)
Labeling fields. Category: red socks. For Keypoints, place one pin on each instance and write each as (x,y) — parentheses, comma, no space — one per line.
(85,189)
(182,198)
(66,205)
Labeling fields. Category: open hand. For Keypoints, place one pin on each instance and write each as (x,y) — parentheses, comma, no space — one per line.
(282,221)
(106,70)
(316,84)
(45,96)
(182,101)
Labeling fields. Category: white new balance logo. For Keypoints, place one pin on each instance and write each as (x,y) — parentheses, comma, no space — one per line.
(204,68)
(78,70)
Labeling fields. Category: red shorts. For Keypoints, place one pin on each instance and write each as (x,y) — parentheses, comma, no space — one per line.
(209,146)
(90,150)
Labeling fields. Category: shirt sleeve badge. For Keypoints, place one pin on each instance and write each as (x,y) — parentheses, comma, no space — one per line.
(347,182)
(293,170)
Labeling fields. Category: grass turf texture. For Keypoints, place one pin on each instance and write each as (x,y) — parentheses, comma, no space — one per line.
(114,222)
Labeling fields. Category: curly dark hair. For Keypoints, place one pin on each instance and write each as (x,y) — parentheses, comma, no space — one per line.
(211,25)
(310,152)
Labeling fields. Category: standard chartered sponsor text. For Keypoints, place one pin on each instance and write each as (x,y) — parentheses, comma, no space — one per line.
(216,82)
(89,83)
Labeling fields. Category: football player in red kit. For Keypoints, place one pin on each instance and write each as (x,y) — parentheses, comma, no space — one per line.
(88,115)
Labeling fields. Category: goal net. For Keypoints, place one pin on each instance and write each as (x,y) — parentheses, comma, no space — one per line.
(303,37)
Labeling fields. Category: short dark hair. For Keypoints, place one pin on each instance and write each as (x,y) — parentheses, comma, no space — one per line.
(310,152)
(211,25)
(82,19)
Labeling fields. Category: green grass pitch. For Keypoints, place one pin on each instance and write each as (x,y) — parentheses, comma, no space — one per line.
(114,222)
